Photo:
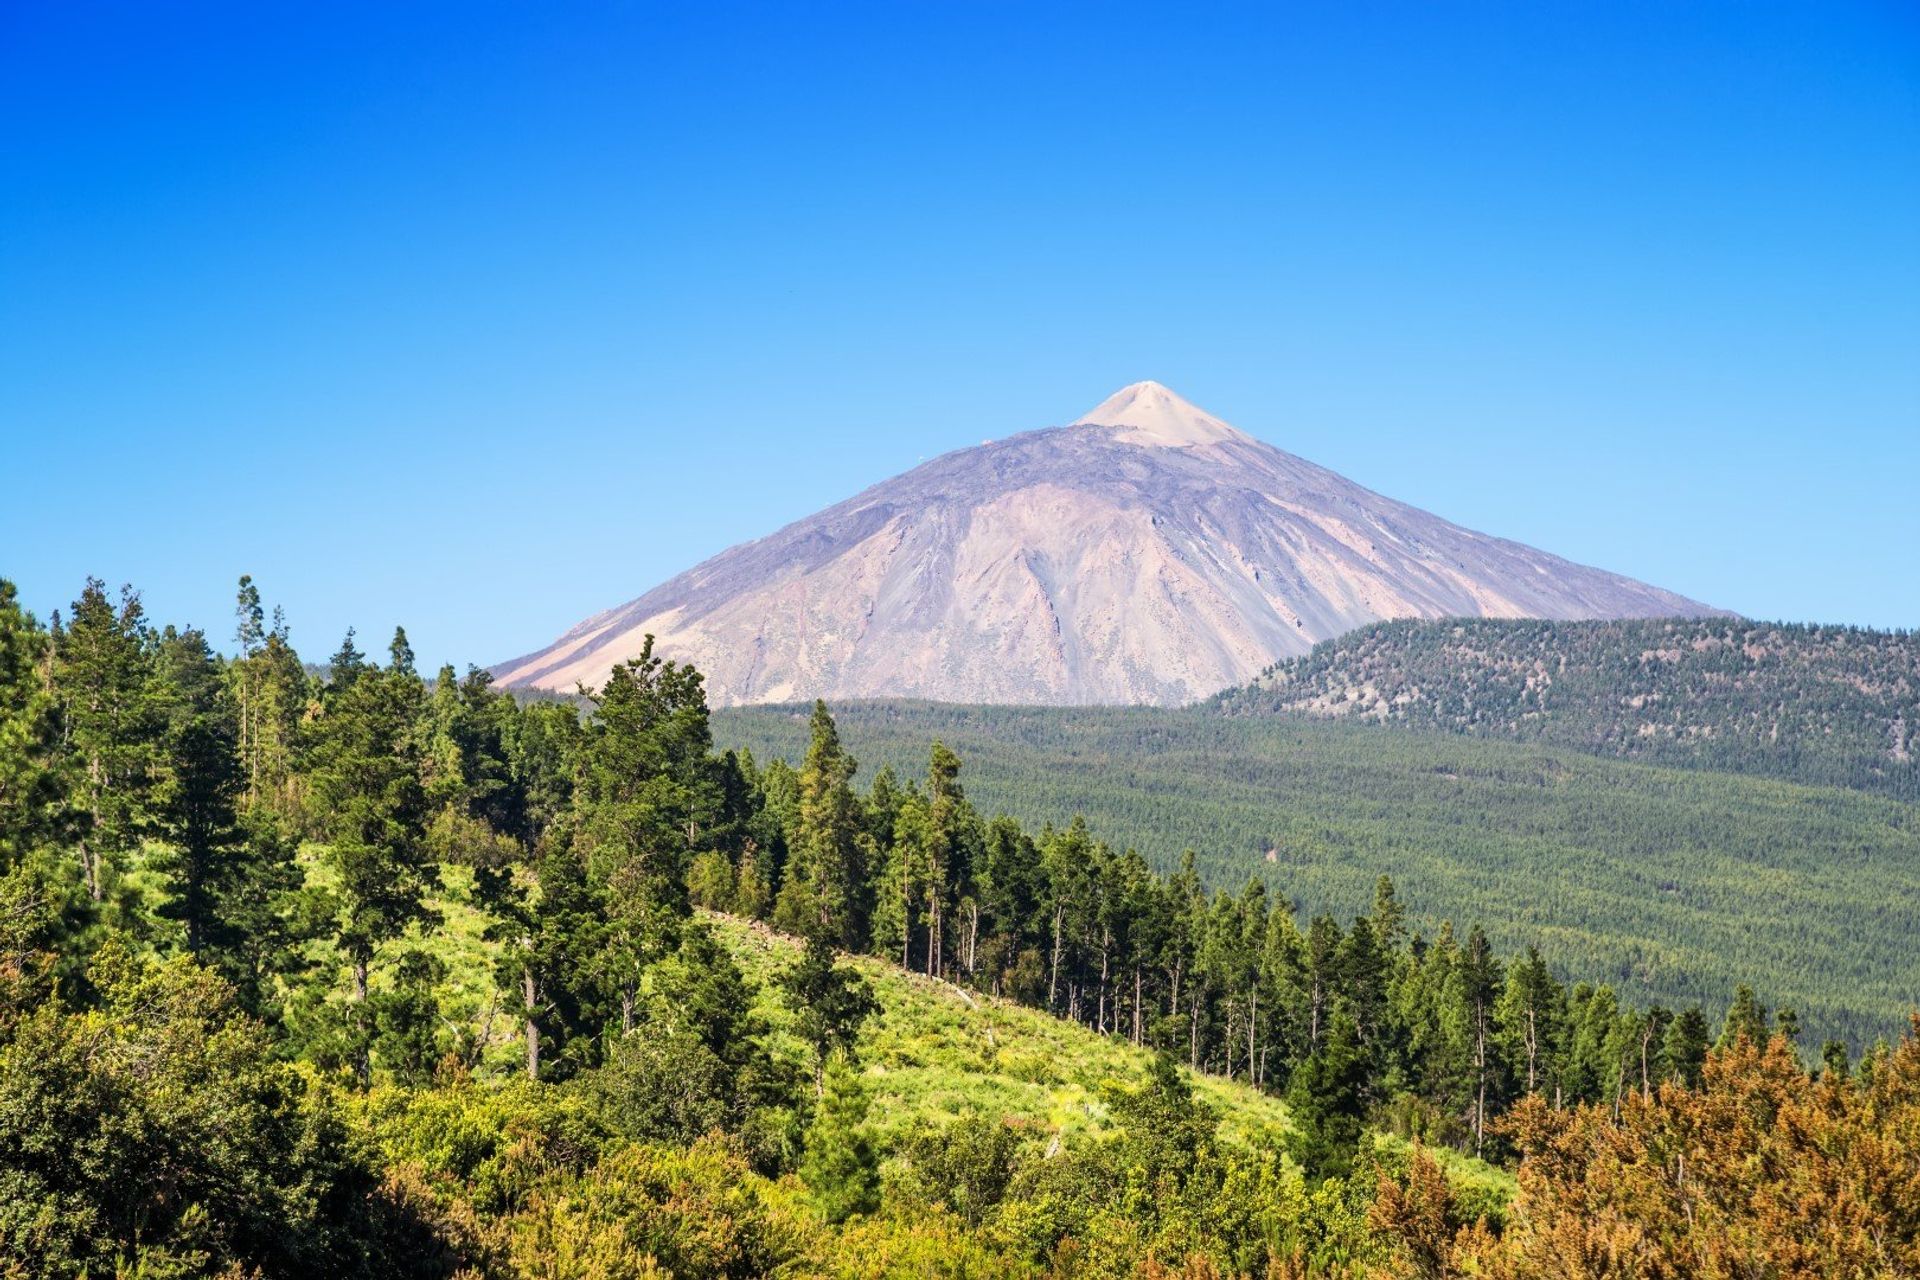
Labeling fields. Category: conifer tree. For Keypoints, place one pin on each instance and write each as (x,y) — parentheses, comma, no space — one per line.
(1324,1103)
(832,1001)
(840,1166)
(103,674)
(374,811)
(827,874)
(1746,1019)
(31,782)
(1530,1018)
(197,797)
(645,795)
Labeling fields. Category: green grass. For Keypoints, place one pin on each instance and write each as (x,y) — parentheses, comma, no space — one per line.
(1671,884)
(936,1052)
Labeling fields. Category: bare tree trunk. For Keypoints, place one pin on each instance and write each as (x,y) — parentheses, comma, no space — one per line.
(1533,1049)
(1480,1066)
(363,1064)
(1193,1035)
(1136,1005)
(1105,959)
(1253,1021)
(1646,1079)
(1053,975)
(530,1001)
(89,852)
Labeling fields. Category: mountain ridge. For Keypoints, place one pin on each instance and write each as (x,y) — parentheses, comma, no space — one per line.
(1146,552)
(1830,705)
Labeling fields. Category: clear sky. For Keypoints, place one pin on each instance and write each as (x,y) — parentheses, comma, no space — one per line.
(483,317)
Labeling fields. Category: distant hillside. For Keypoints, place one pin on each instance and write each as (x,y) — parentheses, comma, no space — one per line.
(1672,884)
(1838,706)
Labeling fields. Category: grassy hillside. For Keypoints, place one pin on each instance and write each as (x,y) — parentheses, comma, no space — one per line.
(935,1053)
(938,1052)
(1837,706)
(1673,884)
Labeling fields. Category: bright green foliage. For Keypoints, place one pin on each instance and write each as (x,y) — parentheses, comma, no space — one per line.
(840,1166)
(564,1073)
(697,1062)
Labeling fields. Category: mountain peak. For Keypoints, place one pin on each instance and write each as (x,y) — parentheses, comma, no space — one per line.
(1151,554)
(1147,413)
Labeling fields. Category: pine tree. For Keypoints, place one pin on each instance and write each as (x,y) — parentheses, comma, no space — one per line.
(827,877)
(374,810)
(840,1166)
(832,1002)
(546,923)
(32,785)
(1530,1017)
(103,674)
(1325,1103)
(1683,1050)
(646,793)
(197,797)
(1746,1019)
(249,636)
(1477,983)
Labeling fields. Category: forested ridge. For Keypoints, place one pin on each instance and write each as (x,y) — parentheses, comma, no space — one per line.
(1834,706)
(1672,885)
(386,975)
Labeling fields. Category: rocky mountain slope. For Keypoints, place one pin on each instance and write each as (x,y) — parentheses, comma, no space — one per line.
(1149,552)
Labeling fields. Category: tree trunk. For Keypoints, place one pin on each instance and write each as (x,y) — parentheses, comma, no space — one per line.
(530,1001)
(1533,1049)
(1480,1069)
(1193,1035)
(1053,975)
(1105,960)
(1136,1006)
(1253,1021)
(1646,1079)
(363,1064)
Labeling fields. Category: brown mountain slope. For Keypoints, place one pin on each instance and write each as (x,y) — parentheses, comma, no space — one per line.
(1147,553)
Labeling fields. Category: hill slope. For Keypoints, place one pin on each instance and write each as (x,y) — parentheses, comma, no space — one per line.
(1673,884)
(1832,705)
(1147,553)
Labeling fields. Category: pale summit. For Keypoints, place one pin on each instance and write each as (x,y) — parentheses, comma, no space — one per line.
(1149,552)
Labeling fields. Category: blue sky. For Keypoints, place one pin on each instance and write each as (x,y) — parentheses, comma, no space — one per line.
(485,317)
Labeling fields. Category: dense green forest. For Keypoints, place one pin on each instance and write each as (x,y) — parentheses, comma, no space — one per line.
(1833,706)
(377,974)
(1672,885)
